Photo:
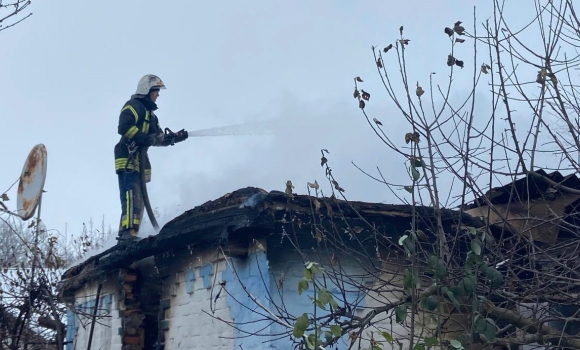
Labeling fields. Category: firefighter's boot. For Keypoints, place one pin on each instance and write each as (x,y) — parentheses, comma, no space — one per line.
(129,235)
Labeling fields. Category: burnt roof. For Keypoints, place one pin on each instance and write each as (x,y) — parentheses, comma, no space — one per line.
(248,211)
(528,186)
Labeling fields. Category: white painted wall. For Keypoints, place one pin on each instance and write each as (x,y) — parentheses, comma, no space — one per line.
(192,285)
(106,331)
(191,289)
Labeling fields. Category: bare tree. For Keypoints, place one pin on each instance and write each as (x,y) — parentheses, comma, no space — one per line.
(32,260)
(12,12)
(496,138)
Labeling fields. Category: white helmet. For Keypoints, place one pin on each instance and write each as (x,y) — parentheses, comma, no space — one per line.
(149,82)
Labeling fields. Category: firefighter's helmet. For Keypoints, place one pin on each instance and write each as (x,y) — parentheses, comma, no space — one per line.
(148,83)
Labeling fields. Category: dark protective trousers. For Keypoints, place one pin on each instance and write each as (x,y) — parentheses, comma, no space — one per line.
(132,204)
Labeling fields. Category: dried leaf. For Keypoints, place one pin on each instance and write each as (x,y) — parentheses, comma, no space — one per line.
(401,30)
(318,235)
(314,185)
(4,197)
(323,161)
(541,78)
(458,23)
(553,78)
(356,93)
(328,209)
(484,68)
(379,63)
(459,29)
(404,41)
(409,189)
(357,229)
(333,260)
(289,188)
(448,31)
(419,91)
(365,95)
(358,79)
(386,49)
(412,137)
(336,186)
(459,63)
(458,40)
(450,60)
(361,104)
(377,121)
(316,204)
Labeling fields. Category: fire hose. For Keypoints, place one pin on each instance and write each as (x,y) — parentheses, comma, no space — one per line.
(168,136)
(142,159)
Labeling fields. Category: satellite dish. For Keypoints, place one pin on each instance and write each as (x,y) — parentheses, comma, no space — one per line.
(31,183)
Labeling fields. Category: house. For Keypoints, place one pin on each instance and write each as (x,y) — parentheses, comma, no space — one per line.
(540,213)
(538,207)
(226,274)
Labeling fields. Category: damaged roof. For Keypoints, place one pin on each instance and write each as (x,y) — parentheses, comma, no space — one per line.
(527,186)
(534,206)
(248,212)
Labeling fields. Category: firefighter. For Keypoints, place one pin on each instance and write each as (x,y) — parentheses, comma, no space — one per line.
(139,129)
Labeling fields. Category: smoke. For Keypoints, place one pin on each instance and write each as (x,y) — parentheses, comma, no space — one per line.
(146,230)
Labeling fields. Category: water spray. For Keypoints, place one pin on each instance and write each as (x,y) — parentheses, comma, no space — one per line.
(256,128)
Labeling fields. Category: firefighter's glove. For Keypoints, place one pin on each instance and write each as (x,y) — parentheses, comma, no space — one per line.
(153,140)
(181,135)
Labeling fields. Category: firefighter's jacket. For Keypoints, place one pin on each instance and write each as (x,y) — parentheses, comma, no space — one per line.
(136,122)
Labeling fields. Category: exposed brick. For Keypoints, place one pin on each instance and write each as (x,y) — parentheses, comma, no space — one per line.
(129,312)
(130,278)
(132,339)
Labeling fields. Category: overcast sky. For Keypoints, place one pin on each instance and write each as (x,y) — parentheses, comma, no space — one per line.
(67,70)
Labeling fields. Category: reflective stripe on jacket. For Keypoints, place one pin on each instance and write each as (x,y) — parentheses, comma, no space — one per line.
(136,122)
